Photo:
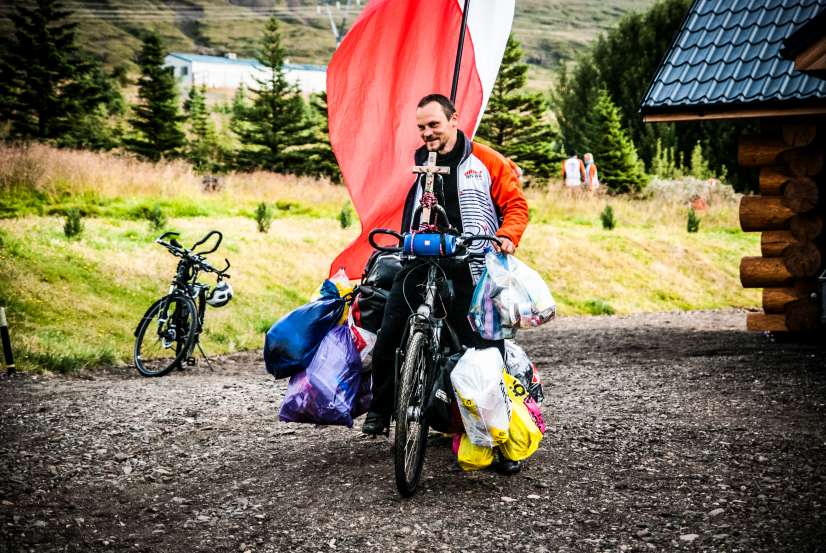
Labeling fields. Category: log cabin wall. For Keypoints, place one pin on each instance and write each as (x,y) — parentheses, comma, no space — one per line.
(789,212)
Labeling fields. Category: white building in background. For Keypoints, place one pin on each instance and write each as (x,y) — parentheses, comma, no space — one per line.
(230,72)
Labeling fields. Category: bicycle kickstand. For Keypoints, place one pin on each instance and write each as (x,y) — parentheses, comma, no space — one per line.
(209,363)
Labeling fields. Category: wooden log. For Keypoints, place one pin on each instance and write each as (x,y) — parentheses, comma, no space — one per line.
(764,272)
(802,316)
(806,227)
(761,322)
(756,151)
(800,194)
(799,134)
(805,162)
(802,259)
(772,180)
(776,299)
(774,242)
(763,213)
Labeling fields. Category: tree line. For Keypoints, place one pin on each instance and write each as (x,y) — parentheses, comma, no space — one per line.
(51,91)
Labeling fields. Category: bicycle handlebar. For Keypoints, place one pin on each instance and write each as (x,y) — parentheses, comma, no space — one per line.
(196,258)
(463,240)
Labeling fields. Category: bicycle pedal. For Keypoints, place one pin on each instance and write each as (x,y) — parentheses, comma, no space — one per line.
(191,362)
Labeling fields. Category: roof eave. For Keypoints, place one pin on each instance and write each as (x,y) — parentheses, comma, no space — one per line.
(815,106)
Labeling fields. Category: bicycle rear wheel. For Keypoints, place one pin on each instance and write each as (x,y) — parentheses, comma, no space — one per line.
(411,426)
(164,335)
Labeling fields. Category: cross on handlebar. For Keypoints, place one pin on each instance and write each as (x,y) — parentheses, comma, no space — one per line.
(429,169)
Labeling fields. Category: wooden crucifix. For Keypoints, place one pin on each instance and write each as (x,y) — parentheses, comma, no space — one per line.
(429,169)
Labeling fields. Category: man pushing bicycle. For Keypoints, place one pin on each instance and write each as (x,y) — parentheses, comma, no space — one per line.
(480,195)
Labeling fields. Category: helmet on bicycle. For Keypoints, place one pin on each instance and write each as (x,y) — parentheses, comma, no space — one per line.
(220,295)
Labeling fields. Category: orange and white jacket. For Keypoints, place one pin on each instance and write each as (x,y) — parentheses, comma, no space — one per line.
(490,198)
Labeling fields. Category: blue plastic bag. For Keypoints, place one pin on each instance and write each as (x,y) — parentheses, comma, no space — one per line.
(331,390)
(483,315)
(292,342)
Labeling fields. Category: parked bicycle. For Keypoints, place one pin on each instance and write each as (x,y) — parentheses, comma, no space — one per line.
(421,349)
(170,330)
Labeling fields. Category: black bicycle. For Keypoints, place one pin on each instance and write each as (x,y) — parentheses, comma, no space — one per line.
(170,330)
(421,348)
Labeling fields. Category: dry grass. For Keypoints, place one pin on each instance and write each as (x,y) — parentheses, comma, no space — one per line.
(55,171)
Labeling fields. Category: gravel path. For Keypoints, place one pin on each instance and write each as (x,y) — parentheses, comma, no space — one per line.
(674,431)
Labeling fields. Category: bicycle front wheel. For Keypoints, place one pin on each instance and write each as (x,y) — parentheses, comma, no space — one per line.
(411,426)
(164,335)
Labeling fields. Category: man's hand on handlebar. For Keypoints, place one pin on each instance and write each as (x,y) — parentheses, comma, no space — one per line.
(506,246)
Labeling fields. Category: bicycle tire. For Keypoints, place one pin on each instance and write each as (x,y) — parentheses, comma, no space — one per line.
(184,316)
(410,443)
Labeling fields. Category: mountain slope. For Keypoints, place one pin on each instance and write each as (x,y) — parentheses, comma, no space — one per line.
(553,31)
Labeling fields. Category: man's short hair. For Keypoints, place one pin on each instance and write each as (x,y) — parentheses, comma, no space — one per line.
(442,100)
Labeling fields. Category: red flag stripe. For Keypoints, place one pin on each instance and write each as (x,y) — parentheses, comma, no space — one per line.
(395,53)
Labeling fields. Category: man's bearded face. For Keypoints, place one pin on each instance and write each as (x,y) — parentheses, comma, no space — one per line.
(438,132)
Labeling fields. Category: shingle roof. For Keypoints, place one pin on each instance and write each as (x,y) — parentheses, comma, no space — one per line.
(727,55)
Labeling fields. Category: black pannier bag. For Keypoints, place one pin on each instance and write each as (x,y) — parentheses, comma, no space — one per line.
(371,296)
(442,408)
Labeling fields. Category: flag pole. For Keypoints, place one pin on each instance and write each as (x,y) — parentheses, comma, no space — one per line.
(459,53)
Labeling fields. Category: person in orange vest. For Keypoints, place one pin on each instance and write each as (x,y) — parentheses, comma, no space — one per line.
(573,172)
(591,177)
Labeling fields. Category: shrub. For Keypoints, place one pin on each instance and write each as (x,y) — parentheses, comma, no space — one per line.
(693,221)
(74,225)
(156,217)
(607,217)
(599,307)
(263,217)
(345,216)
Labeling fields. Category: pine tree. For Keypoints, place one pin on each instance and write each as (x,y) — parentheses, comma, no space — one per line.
(156,118)
(49,89)
(274,128)
(319,159)
(202,145)
(614,153)
(515,121)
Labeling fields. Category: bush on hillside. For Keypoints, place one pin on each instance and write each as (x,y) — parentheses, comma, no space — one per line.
(73,226)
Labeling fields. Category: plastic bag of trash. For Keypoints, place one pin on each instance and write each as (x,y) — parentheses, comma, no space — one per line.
(521,297)
(291,342)
(471,456)
(327,392)
(520,366)
(483,400)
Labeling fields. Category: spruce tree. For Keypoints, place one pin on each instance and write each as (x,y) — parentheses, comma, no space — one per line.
(614,153)
(49,89)
(274,128)
(201,145)
(319,159)
(156,118)
(515,121)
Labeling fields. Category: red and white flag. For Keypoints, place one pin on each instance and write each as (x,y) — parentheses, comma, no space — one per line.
(397,52)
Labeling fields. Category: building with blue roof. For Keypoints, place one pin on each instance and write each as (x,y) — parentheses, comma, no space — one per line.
(230,72)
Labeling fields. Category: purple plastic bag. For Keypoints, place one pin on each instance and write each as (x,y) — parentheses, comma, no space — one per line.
(326,392)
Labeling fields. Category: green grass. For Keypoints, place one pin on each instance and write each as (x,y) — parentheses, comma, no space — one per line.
(74,303)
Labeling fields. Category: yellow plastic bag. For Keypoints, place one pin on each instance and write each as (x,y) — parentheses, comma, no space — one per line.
(473,457)
(344,287)
(523,434)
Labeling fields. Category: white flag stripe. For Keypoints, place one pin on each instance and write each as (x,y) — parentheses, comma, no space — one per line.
(489,24)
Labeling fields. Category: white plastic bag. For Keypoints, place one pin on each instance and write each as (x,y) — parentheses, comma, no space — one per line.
(517,363)
(520,295)
(483,399)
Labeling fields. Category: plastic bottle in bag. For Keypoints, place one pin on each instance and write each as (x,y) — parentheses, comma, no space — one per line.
(483,399)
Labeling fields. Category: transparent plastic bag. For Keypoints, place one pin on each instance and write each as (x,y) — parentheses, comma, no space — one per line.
(483,399)
(519,294)
(344,288)
(520,366)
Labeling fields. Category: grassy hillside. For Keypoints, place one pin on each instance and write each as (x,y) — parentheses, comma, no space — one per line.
(552,31)
(74,303)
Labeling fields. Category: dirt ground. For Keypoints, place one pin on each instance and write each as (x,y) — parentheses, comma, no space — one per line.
(675,431)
